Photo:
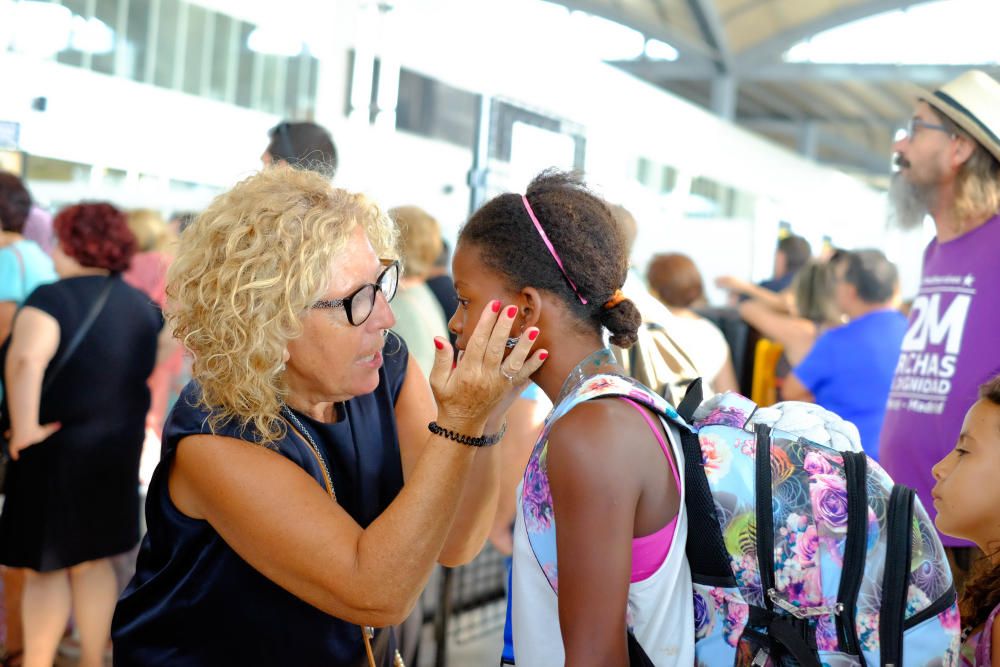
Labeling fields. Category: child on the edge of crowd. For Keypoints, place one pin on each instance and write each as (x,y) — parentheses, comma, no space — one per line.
(967,498)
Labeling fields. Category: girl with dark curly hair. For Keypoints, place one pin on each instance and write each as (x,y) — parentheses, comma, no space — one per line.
(604,470)
(966,497)
(77,421)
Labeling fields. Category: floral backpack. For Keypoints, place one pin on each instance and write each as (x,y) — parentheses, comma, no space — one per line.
(804,555)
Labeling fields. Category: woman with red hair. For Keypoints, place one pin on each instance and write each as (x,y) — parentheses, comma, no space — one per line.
(75,372)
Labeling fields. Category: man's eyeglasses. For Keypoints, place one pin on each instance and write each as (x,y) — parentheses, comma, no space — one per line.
(359,304)
(916,123)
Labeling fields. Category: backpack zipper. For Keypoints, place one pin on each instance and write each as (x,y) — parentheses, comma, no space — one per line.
(947,599)
(895,579)
(764,511)
(855,471)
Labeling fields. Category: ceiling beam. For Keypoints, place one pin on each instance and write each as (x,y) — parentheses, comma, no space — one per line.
(770,49)
(665,70)
(853,153)
(663,32)
(920,74)
(661,70)
(706,15)
(779,124)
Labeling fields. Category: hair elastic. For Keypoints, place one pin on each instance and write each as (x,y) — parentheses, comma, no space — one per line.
(615,299)
(552,251)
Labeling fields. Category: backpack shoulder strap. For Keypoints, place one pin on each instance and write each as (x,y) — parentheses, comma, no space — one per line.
(692,399)
(81,332)
(611,385)
(729,409)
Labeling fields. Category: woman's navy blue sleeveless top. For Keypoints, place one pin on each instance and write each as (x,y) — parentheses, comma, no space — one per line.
(194,601)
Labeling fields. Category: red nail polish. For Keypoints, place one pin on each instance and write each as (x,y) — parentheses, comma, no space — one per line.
(495,305)
(438,344)
(512,311)
(543,355)
(532,335)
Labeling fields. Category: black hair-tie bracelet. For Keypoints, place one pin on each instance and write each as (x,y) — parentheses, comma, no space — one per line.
(480,441)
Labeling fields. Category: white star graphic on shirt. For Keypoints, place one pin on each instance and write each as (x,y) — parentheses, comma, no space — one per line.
(969,279)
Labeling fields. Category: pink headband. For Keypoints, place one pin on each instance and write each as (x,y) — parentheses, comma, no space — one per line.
(552,251)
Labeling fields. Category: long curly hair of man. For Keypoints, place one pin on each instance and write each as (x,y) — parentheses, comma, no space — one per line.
(977,184)
(246,271)
(96,235)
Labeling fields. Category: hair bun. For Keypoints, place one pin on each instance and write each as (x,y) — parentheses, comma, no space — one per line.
(623,319)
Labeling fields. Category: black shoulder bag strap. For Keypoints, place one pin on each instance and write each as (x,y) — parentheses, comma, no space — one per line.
(88,321)
(80,333)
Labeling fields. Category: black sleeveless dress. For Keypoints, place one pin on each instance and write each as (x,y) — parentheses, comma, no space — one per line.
(194,601)
(75,496)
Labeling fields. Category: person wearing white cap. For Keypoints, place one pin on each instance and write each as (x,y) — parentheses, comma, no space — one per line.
(949,168)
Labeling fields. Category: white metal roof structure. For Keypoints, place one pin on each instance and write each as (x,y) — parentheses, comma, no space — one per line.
(733,57)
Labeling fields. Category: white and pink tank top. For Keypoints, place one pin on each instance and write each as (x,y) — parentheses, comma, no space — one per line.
(660,601)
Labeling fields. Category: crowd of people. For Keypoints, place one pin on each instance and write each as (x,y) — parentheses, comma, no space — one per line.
(318,451)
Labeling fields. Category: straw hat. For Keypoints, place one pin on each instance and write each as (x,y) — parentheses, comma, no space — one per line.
(972,101)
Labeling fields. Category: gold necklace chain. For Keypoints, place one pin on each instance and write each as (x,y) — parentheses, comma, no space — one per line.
(290,416)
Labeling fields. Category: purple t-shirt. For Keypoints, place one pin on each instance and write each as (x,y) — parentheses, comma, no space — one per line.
(950,348)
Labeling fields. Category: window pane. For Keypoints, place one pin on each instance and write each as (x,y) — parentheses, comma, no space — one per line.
(668,179)
(292,85)
(49,169)
(309,100)
(244,70)
(106,11)
(71,55)
(269,65)
(115,177)
(137,40)
(166,44)
(199,35)
(642,170)
(223,56)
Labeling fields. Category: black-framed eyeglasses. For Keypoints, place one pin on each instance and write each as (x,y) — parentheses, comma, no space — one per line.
(361,302)
(916,123)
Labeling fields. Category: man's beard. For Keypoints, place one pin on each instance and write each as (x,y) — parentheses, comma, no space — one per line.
(910,202)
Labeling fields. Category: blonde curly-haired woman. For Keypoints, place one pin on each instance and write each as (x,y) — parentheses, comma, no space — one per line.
(280,291)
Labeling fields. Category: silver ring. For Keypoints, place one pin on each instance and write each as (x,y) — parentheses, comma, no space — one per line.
(510,378)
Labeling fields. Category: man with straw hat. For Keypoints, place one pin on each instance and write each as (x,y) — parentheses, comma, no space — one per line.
(949,168)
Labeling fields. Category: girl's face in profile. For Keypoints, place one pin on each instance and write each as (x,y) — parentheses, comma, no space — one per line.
(477,285)
(967,493)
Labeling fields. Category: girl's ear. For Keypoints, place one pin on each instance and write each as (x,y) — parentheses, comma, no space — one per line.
(531,306)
